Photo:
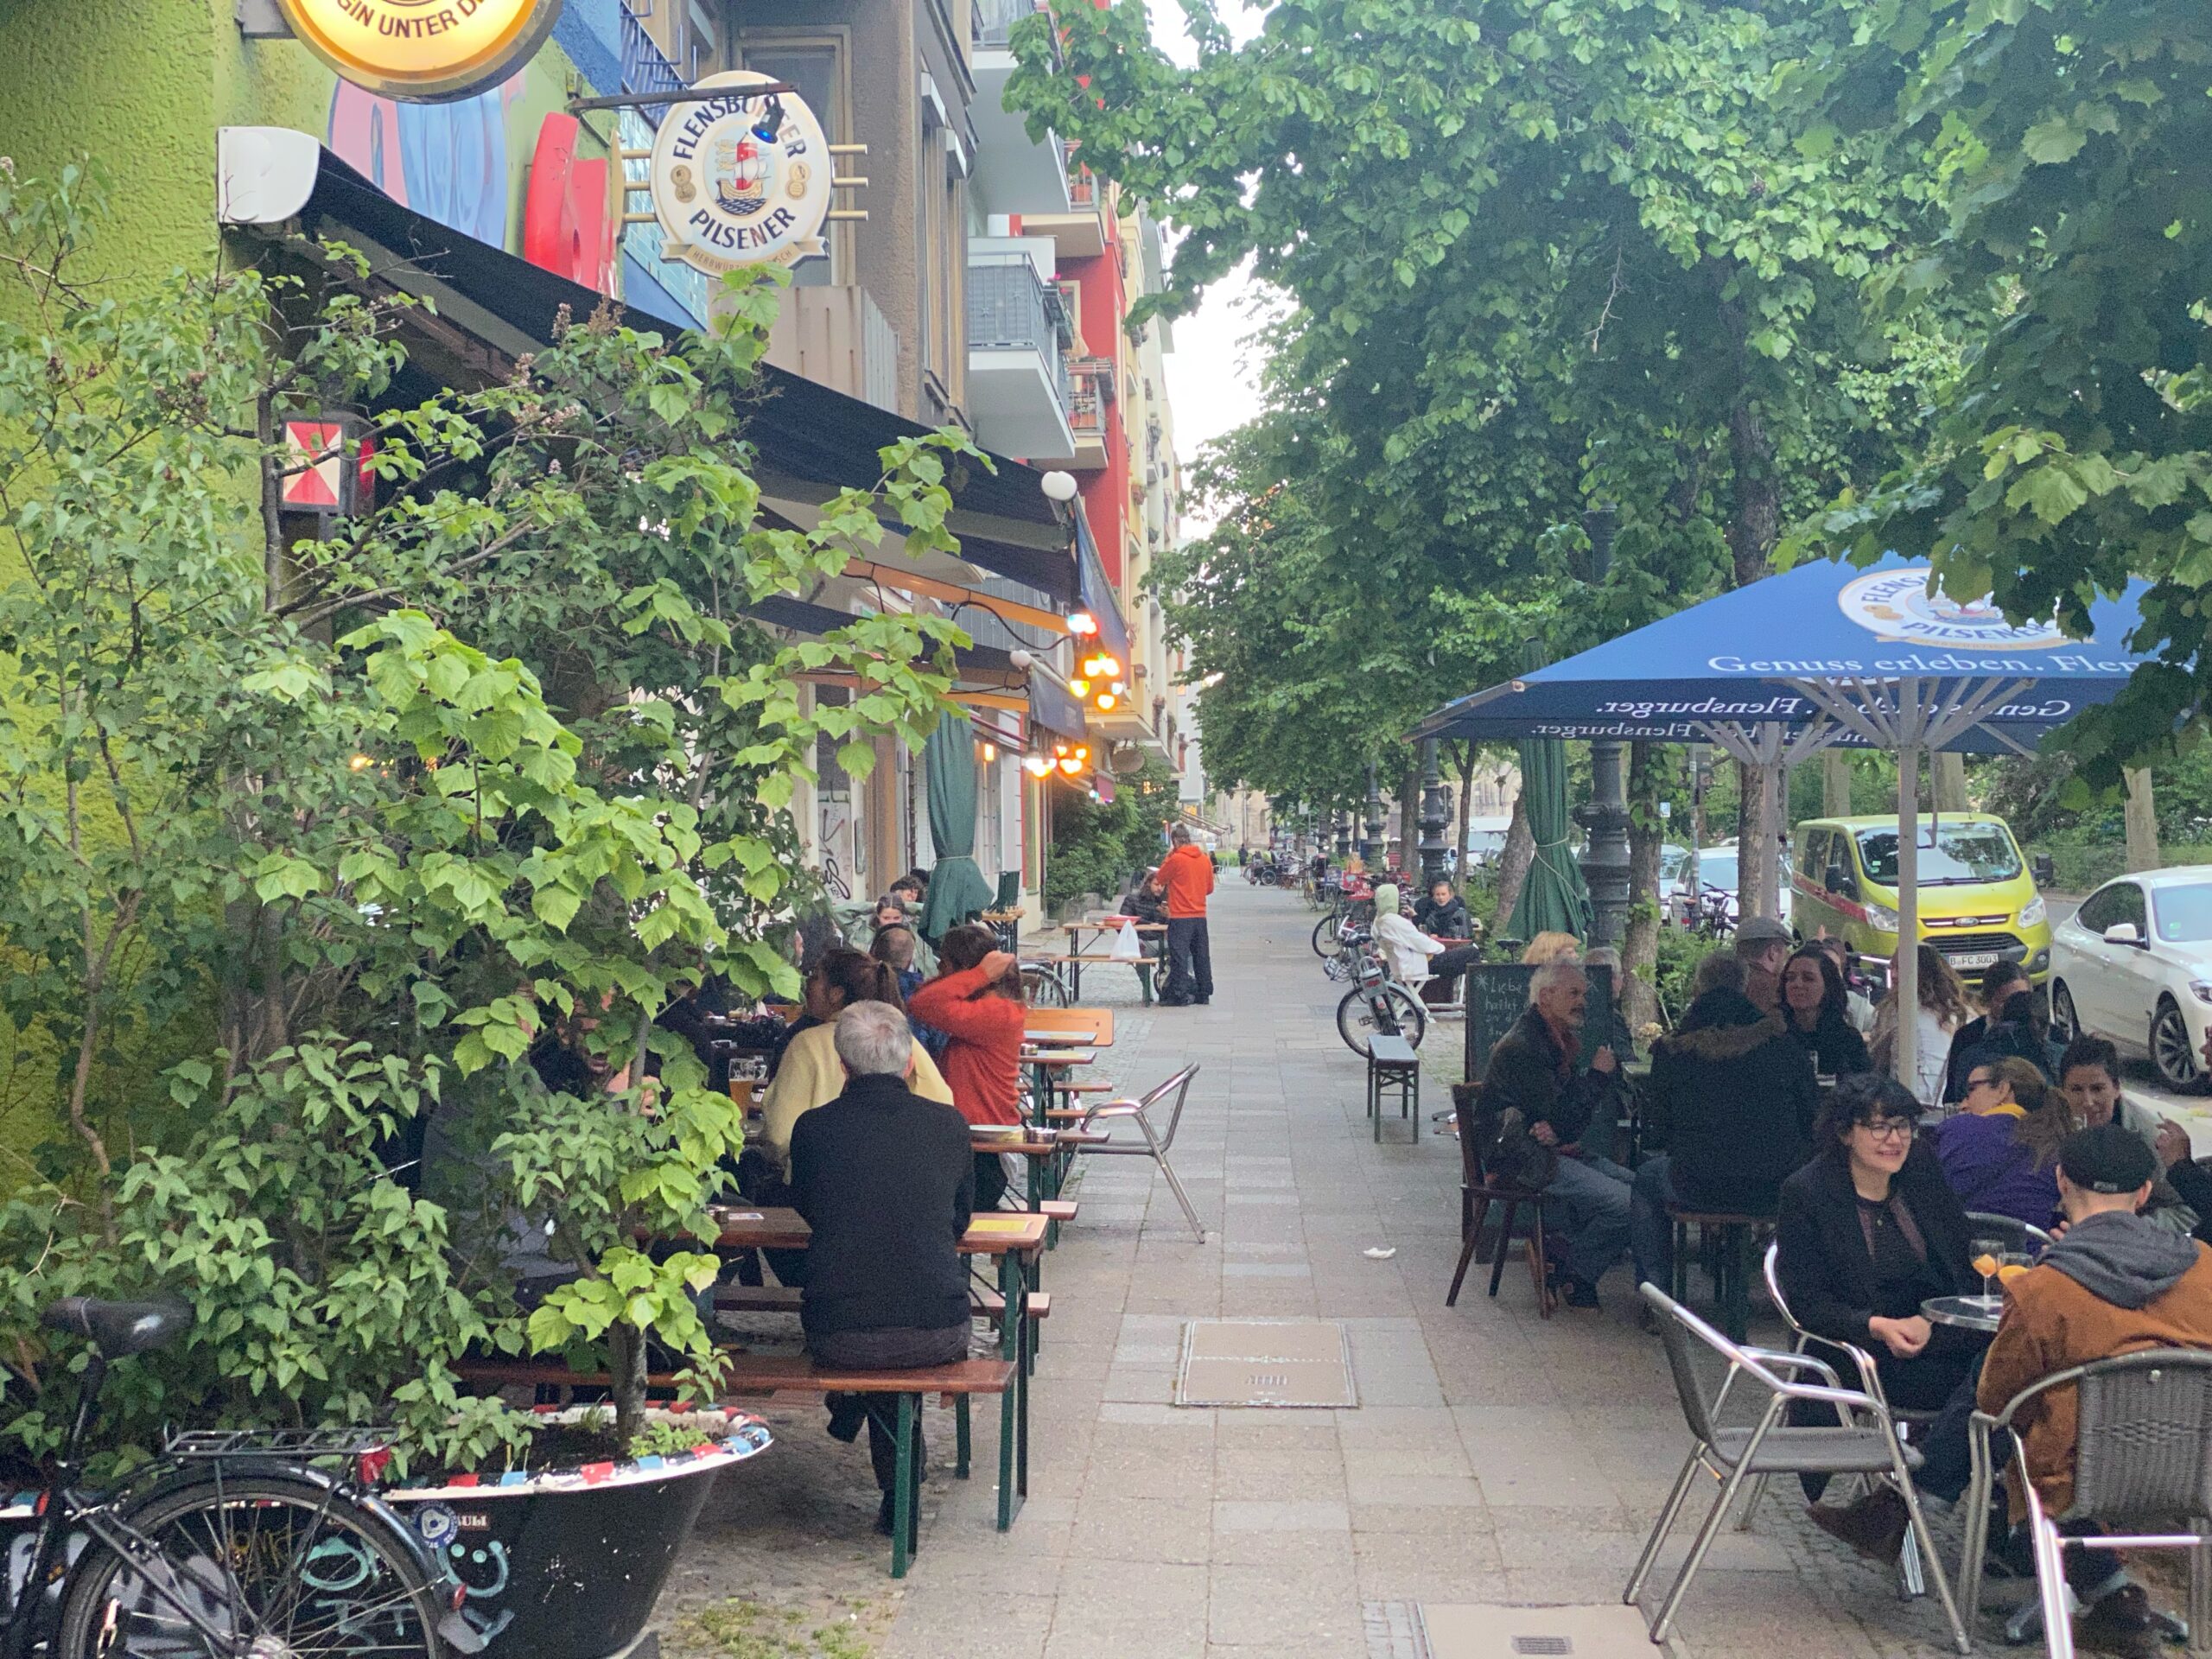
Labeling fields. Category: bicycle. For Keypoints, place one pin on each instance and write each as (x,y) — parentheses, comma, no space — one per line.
(1378,1005)
(232,1544)
(1044,986)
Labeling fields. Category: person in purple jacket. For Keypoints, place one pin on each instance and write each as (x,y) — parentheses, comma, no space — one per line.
(2000,1154)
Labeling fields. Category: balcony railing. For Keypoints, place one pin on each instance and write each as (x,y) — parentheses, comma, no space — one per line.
(1010,307)
(645,67)
(1093,379)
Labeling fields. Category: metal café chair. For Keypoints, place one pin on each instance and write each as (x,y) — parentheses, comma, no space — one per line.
(2142,1459)
(1155,1143)
(1865,1444)
(1910,1569)
(2023,1236)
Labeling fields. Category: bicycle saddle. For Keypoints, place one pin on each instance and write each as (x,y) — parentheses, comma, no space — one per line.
(117,1329)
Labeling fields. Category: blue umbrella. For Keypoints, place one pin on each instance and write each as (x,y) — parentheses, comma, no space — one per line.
(1821,655)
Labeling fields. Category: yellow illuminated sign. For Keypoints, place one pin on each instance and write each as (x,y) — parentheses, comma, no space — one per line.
(421,51)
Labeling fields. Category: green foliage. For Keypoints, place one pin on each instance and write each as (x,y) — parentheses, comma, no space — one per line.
(1098,846)
(1680,952)
(2070,137)
(491,766)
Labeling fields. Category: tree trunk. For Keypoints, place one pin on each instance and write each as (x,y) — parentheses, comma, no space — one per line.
(1835,782)
(626,1354)
(2142,821)
(1949,777)
(1640,945)
(1513,864)
(1758,816)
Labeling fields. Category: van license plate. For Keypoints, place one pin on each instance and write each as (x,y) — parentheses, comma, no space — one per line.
(1971,958)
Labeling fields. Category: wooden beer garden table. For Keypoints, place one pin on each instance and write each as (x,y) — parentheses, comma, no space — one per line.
(1013,1237)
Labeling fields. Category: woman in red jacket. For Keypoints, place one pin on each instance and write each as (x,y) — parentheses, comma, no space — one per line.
(977,999)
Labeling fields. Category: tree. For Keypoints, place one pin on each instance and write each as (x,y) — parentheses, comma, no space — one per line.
(274,824)
(1524,229)
(2077,452)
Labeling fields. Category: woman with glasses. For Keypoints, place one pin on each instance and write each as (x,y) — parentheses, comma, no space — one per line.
(1867,1232)
(2000,1154)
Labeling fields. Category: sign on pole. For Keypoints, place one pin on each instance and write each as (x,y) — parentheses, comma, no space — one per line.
(741,179)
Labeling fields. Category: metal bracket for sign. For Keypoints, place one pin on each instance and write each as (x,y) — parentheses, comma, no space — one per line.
(261,20)
(689,95)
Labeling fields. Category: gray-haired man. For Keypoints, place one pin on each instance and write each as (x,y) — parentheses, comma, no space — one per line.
(887,1179)
(1536,1069)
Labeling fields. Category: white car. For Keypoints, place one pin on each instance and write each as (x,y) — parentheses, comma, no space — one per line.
(1716,868)
(2134,965)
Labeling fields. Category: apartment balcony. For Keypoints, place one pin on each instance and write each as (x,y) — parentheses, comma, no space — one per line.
(1018,388)
(1082,230)
(1013,173)
(1093,381)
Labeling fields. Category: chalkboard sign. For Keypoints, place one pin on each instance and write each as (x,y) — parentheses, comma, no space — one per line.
(1498,993)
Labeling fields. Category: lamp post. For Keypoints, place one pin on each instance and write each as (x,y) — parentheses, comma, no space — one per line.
(1604,815)
(1372,846)
(1342,822)
(1436,816)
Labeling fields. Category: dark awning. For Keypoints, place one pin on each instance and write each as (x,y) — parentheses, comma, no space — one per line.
(973,662)
(808,432)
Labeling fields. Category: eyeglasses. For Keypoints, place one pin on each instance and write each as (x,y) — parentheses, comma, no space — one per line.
(1981,1082)
(1889,1128)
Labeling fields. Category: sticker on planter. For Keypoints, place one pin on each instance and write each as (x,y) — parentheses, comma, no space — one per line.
(437,1524)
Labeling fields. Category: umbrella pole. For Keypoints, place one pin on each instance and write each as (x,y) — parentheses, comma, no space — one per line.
(1907,973)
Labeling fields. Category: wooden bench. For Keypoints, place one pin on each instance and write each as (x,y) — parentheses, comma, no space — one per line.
(1145,967)
(1393,1068)
(756,1298)
(754,1376)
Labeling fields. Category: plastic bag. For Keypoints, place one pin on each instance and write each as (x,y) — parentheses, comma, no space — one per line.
(1127,946)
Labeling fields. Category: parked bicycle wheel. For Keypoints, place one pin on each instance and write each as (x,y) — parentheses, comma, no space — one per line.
(1325,935)
(1393,1010)
(1043,985)
(298,1572)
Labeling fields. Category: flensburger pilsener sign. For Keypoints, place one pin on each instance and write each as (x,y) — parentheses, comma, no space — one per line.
(741,179)
(421,51)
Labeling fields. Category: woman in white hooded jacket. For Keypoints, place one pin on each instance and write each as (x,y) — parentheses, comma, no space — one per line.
(1407,950)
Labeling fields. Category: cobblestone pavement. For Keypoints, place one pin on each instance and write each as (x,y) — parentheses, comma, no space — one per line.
(1495,1457)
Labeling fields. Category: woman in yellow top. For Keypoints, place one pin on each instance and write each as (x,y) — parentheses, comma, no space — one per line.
(809,1073)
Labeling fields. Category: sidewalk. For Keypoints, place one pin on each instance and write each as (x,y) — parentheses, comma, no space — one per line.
(1494,1458)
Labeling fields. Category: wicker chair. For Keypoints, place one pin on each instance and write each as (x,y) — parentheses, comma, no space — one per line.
(2142,1460)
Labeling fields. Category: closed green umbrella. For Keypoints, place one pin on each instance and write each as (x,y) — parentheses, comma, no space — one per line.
(957,891)
(1553,899)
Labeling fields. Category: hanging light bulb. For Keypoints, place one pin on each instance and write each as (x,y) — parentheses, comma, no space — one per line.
(1070,765)
(1081,622)
(1079,688)
(1036,765)
(1106,701)
(1108,665)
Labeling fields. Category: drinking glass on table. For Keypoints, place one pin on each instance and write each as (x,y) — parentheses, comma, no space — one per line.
(1989,1256)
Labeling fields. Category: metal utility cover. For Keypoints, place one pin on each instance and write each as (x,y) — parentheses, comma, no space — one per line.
(1302,1363)
(1487,1630)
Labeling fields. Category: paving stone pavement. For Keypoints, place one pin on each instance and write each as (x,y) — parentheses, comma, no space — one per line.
(1494,1457)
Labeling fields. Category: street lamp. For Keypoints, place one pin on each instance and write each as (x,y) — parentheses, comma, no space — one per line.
(1436,816)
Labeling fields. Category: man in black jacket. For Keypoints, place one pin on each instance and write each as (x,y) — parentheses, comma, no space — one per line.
(1535,1070)
(1730,1101)
(887,1179)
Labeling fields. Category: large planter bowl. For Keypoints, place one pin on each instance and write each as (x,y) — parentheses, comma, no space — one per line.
(567,1563)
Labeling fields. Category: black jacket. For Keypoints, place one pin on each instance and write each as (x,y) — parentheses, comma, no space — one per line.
(1732,1099)
(1527,1072)
(1827,1273)
(1443,921)
(1835,1044)
(887,1179)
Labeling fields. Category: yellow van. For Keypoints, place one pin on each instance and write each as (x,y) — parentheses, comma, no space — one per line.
(1977,900)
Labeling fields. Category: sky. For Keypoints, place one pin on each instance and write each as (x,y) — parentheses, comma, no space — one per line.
(1213,382)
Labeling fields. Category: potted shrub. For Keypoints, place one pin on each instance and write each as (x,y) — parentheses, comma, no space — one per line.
(310,843)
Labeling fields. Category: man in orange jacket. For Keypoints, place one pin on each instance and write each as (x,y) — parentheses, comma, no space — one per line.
(1187,874)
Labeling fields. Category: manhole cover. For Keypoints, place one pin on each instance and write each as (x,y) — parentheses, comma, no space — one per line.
(1265,1362)
(1484,1630)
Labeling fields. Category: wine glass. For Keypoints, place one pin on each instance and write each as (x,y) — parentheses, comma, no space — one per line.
(1988,1255)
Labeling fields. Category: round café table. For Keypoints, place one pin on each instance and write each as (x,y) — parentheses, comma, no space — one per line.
(1968,1312)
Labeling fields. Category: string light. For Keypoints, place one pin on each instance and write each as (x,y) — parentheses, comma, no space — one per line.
(1082,623)
(360,763)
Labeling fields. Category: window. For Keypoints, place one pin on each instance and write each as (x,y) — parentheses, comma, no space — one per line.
(2120,902)
(1813,856)
(702,45)
(1952,854)
(2184,913)
(816,65)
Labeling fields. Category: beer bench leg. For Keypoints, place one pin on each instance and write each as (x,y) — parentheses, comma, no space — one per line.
(905,1491)
(963,1436)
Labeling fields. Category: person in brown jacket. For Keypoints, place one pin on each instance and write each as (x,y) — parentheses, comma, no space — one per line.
(2112,1284)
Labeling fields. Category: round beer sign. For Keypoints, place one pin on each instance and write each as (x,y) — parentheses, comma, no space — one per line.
(741,178)
(421,51)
